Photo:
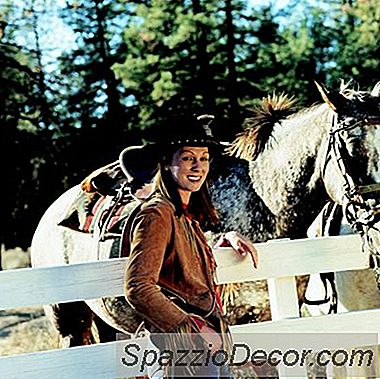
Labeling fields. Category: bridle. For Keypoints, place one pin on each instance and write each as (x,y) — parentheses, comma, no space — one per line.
(361,214)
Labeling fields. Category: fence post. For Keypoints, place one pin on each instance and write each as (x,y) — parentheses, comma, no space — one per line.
(283,304)
(283,297)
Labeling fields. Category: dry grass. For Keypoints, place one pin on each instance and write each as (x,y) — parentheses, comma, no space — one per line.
(35,334)
(25,329)
(14,258)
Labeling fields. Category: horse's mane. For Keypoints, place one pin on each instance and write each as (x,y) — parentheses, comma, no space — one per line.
(351,93)
(258,128)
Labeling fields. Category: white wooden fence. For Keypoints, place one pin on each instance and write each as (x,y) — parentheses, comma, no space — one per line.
(280,261)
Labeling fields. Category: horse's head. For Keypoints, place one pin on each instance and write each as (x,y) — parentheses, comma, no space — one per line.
(350,166)
(351,157)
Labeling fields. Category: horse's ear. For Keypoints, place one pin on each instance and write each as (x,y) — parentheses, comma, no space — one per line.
(376,90)
(333,99)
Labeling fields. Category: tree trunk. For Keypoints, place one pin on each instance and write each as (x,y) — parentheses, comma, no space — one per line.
(43,105)
(231,76)
(205,77)
(114,108)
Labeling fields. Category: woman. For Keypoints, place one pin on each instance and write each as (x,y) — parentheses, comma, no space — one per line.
(170,275)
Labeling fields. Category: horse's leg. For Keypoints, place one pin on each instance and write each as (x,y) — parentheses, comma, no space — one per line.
(73,321)
(106,332)
(302,282)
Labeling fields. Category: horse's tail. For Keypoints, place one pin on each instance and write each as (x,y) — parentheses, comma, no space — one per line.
(258,128)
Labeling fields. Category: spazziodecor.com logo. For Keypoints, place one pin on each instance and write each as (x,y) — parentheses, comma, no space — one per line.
(205,355)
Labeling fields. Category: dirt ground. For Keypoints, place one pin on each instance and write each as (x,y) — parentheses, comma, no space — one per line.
(27,329)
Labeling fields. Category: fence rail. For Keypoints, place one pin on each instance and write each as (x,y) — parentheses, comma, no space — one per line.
(35,286)
(280,261)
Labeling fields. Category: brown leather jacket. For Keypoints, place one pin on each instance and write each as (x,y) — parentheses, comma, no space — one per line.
(168,252)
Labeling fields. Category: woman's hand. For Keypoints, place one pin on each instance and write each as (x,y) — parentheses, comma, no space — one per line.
(240,244)
(212,339)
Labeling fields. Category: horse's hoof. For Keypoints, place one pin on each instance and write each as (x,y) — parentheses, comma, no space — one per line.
(66,341)
(70,341)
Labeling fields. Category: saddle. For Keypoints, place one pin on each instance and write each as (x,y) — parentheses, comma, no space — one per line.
(102,202)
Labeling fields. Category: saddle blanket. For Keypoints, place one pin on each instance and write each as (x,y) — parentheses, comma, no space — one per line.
(91,211)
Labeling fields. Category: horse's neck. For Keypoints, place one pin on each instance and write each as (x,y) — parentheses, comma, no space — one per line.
(286,173)
(373,147)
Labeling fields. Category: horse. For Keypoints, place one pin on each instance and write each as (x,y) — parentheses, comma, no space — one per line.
(272,183)
(284,199)
(356,290)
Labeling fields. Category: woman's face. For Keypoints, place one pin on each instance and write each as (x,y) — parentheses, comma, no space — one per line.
(189,168)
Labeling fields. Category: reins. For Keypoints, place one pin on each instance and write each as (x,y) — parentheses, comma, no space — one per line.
(361,214)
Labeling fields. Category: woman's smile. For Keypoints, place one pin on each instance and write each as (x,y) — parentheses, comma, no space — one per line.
(194,178)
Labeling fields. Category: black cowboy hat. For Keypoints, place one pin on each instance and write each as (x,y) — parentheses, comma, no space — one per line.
(139,163)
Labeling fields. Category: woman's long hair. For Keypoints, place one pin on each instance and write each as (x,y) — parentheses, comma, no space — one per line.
(200,205)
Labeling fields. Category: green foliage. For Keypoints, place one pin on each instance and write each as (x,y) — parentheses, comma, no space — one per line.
(131,64)
(177,59)
(22,107)
(359,46)
(91,93)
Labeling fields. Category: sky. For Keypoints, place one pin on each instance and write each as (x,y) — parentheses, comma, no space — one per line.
(60,36)
(55,35)
(277,3)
